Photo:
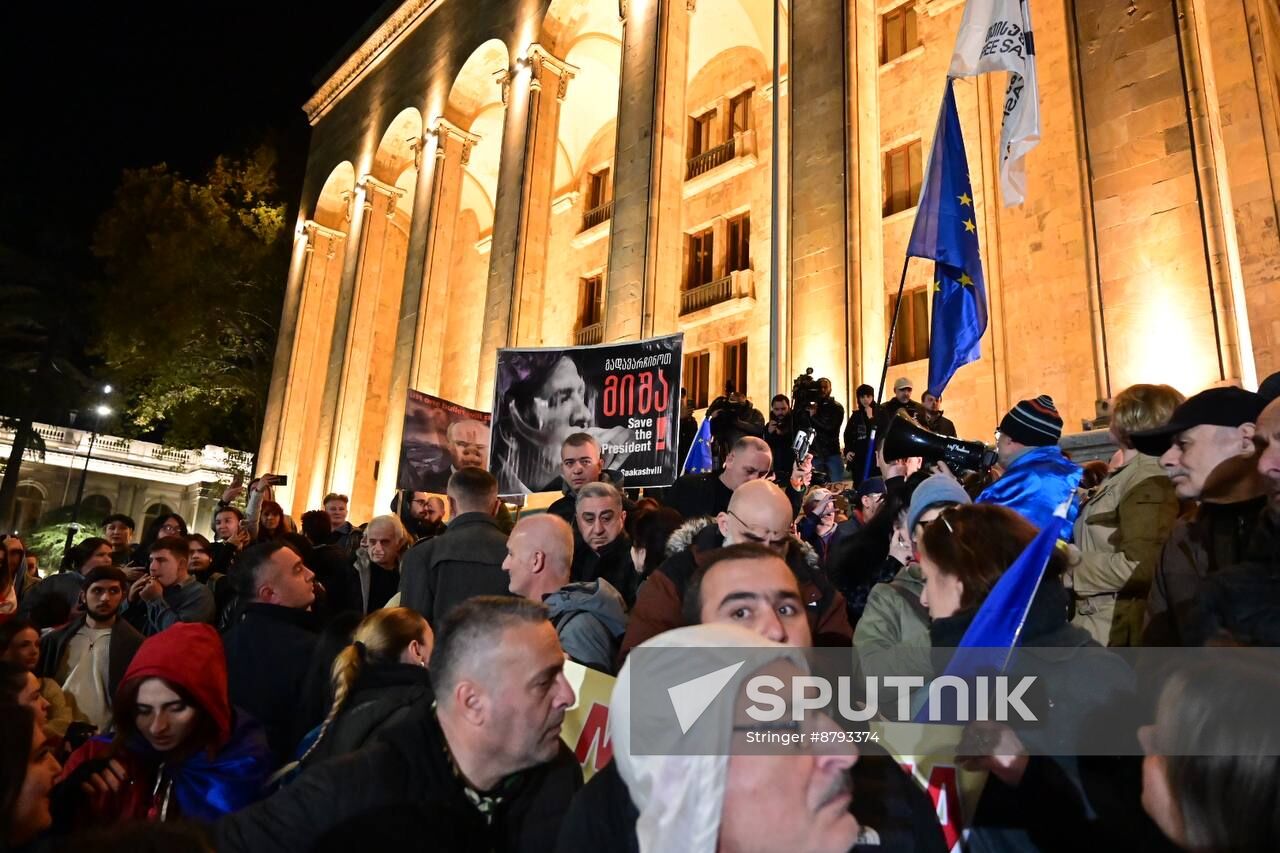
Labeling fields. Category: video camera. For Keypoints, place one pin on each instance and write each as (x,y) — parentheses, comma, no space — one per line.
(804,390)
(904,438)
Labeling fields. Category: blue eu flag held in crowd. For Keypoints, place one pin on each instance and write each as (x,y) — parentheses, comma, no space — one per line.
(699,459)
(946,231)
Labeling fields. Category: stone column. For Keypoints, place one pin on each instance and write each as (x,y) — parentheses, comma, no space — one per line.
(531,94)
(452,151)
(818,321)
(301,398)
(424,302)
(379,200)
(358,205)
(548,82)
(282,365)
(645,239)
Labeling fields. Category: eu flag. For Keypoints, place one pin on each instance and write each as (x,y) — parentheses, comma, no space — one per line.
(946,232)
(699,459)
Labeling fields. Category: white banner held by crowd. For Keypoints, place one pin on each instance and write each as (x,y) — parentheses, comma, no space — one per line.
(995,35)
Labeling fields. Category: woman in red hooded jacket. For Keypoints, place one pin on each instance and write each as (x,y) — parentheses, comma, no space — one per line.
(179,749)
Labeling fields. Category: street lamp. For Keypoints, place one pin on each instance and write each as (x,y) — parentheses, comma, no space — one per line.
(101,410)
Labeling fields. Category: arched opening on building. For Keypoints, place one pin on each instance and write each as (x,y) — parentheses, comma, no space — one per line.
(327,244)
(475,106)
(723,274)
(153,511)
(94,508)
(587,36)
(384,242)
(28,507)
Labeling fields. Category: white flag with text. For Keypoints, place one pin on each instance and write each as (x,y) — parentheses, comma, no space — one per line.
(995,35)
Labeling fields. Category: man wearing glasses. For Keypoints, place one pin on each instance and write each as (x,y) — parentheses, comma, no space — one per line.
(759,513)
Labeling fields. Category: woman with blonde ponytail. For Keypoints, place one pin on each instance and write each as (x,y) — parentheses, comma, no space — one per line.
(377,680)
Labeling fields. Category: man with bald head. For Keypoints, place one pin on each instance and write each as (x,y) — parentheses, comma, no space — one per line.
(707,495)
(589,616)
(467,442)
(758,513)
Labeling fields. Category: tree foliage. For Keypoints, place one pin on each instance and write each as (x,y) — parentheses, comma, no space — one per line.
(38,328)
(195,273)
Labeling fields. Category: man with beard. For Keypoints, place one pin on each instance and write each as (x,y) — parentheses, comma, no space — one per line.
(780,435)
(415,511)
(931,417)
(90,655)
(1207,449)
(483,769)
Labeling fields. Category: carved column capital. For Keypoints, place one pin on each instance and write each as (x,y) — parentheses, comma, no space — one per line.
(542,63)
(450,137)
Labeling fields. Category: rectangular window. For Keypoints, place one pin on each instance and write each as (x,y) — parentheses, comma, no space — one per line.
(898,32)
(902,178)
(740,113)
(598,189)
(735,365)
(591,301)
(697,381)
(700,250)
(700,137)
(738,249)
(911,343)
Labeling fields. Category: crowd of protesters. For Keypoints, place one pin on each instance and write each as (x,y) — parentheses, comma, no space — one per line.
(316,684)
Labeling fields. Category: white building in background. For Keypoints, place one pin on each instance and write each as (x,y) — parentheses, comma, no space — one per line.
(138,478)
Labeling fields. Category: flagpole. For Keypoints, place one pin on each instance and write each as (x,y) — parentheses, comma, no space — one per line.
(884,371)
(775,223)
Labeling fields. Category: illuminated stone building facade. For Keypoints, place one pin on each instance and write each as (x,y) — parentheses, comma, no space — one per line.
(486,173)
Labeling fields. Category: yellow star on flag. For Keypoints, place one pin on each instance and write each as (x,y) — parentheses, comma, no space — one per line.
(965,280)
(969,226)
(937,287)
(965,200)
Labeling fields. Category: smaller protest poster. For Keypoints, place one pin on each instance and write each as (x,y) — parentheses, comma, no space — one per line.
(439,437)
(625,395)
(586,724)
(928,753)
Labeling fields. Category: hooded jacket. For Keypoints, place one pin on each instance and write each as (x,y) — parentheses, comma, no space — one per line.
(659,601)
(590,618)
(1035,485)
(203,783)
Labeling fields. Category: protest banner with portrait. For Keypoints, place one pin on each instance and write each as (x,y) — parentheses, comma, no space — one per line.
(626,395)
(439,437)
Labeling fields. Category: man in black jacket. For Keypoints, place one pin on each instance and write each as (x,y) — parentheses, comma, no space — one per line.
(484,769)
(580,463)
(827,416)
(269,650)
(601,547)
(699,495)
(931,417)
(465,560)
(74,655)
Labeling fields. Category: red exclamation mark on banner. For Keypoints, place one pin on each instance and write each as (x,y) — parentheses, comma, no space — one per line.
(662,433)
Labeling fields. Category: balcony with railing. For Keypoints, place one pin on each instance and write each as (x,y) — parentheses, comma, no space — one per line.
(720,298)
(597,216)
(588,335)
(708,160)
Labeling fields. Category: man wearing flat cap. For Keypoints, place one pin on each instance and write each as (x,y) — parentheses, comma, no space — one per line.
(1208,451)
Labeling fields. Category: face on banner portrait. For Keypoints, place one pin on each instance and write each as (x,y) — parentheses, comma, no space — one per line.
(624,395)
(439,437)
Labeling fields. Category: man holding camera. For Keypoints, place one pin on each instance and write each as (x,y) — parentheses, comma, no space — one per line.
(826,416)
(780,435)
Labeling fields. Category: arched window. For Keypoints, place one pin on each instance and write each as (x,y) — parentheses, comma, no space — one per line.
(95,508)
(153,512)
(28,506)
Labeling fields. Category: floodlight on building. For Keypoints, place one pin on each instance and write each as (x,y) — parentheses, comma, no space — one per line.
(103,411)
(106,389)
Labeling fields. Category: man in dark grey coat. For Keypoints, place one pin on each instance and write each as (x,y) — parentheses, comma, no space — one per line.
(465,560)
